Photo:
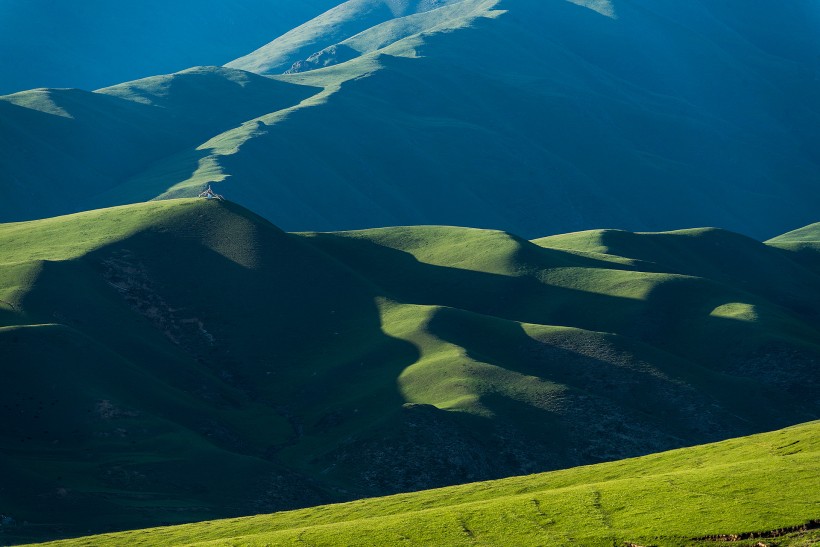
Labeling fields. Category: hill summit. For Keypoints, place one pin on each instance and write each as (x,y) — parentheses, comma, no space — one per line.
(185,359)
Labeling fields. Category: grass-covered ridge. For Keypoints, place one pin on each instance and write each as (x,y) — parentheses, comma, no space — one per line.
(759,487)
(186,360)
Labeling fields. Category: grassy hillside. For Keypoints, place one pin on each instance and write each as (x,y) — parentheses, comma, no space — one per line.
(756,488)
(66,149)
(355,27)
(570,136)
(805,242)
(527,115)
(184,360)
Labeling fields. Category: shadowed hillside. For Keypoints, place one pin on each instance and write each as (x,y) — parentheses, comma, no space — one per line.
(80,143)
(758,490)
(182,360)
(805,242)
(535,116)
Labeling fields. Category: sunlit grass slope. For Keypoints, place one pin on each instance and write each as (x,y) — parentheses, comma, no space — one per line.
(805,242)
(353,28)
(124,390)
(767,484)
(183,360)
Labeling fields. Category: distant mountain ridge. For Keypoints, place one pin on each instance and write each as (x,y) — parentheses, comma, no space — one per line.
(98,43)
(532,116)
(182,360)
(358,26)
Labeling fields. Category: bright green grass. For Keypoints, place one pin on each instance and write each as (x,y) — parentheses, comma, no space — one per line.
(71,236)
(753,484)
(188,354)
(803,242)
(807,234)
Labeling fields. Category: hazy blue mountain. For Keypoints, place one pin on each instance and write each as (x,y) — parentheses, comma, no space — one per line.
(94,43)
(528,115)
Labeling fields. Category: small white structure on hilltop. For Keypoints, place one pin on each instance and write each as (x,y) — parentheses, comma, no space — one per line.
(210,194)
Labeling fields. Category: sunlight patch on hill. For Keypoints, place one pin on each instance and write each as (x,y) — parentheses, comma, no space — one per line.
(604,7)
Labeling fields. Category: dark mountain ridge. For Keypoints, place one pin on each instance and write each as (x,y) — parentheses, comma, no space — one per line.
(531,116)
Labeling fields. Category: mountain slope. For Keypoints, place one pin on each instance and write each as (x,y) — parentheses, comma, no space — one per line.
(754,488)
(80,143)
(348,19)
(185,359)
(804,241)
(99,43)
(532,116)
(521,102)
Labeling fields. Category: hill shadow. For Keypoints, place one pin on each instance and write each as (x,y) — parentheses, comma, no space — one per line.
(215,364)
(522,298)
(257,361)
(106,138)
(653,382)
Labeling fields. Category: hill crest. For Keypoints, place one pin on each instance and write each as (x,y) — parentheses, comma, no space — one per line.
(323,367)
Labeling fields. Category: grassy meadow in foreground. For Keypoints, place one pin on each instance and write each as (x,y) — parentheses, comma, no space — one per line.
(693,496)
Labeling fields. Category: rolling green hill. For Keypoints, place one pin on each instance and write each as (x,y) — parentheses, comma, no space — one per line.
(805,242)
(534,116)
(748,491)
(183,360)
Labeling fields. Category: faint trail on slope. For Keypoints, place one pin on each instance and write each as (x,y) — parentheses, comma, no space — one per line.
(596,503)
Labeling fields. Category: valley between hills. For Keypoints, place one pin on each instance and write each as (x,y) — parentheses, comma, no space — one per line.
(188,360)
(488,272)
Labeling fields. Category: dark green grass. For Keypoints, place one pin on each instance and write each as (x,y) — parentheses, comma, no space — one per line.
(766,485)
(186,360)
(804,243)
